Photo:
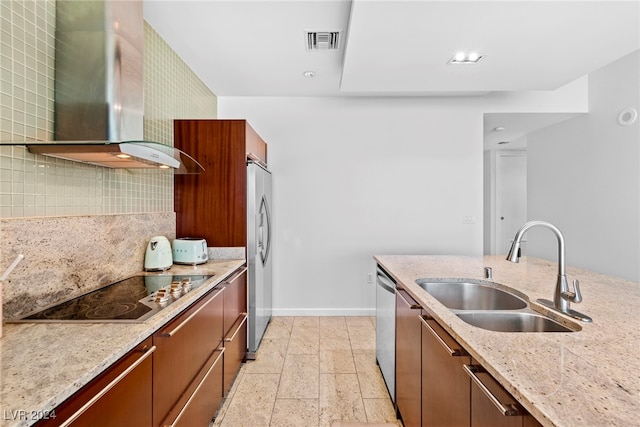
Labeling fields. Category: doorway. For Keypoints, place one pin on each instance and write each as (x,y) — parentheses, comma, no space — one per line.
(505,195)
(510,197)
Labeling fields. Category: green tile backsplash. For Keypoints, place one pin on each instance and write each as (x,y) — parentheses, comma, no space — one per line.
(35,185)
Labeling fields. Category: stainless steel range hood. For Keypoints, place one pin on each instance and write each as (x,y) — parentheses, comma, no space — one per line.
(99,91)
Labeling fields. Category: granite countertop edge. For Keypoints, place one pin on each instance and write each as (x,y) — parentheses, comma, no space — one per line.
(33,380)
(562,379)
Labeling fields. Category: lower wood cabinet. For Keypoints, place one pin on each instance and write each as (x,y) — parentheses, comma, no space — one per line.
(408,360)
(492,405)
(438,384)
(120,396)
(177,377)
(235,346)
(446,388)
(199,402)
(235,326)
(184,347)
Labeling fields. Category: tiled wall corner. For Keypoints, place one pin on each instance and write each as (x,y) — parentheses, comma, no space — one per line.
(34,185)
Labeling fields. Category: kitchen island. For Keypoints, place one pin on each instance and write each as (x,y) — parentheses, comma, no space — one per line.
(585,378)
(42,364)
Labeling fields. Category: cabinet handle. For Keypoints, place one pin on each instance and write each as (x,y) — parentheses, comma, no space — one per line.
(412,305)
(195,392)
(451,351)
(508,411)
(240,273)
(108,387)
(233,336)
(185,321)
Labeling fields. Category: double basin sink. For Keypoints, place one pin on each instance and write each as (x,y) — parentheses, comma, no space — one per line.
(490,306)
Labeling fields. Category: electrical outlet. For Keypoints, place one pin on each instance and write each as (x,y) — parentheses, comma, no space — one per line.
(369,278)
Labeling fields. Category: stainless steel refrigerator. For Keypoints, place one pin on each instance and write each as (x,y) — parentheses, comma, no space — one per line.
(259,254)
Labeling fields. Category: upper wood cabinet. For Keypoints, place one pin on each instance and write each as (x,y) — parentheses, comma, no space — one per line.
(213,204)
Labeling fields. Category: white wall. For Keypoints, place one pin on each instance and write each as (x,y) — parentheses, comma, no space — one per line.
(355,177)
(584,177)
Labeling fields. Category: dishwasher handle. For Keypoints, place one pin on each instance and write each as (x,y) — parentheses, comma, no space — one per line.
(384,281)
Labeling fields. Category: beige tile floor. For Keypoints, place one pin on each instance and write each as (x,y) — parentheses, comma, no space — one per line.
(310,371)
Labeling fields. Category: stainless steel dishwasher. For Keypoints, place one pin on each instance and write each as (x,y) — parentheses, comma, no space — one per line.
(386,328)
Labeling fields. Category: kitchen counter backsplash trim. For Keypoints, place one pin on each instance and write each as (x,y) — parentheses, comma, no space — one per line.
(69,256)
(226,253)
(586,378)
(44,364)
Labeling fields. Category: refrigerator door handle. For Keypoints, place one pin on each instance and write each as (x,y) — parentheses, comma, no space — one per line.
(265,223)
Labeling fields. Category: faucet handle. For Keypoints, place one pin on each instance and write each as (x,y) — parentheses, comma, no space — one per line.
(574,296)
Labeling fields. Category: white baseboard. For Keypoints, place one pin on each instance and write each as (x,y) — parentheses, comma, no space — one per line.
(324,312)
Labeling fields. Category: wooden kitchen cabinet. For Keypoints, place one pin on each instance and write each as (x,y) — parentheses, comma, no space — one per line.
(446,388)
(120,396)
(199,402)
(492,405)
(177,377)
(439,384)
(213,204)
(184,354)
(408,359)
(235,326)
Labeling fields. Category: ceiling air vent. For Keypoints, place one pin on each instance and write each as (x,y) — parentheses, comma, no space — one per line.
(323,40)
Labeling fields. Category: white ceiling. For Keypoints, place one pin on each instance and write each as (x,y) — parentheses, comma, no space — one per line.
(257,48)
(397,48)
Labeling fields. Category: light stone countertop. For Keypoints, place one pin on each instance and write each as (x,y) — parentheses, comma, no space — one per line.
(585,378)
(42,364)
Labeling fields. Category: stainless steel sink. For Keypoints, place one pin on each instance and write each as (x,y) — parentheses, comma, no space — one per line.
(513,322)
(471,295)
(487,305)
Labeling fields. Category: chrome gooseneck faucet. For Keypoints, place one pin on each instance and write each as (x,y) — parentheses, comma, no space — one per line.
(562,297)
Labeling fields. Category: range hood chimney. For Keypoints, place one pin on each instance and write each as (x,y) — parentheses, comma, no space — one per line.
(99,89)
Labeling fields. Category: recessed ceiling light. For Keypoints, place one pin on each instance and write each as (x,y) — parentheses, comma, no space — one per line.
(466,58)
(498,128)
(123,156)
(309,74)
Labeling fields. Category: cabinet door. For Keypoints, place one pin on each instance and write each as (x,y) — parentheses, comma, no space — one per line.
(492,405)
(235,346)
(197,406)
(213,204)
(256,147)
(408,360)
(183,348)
(235,326)
(446,389)
(235,299)
(121,396)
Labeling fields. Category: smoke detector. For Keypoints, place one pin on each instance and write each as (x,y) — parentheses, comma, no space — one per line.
(323,40)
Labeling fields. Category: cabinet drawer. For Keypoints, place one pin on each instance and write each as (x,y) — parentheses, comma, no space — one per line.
(183,348)
(198,405)
(235,345)
(235,298)
(408,360)
(120,396)
(445,386)
(492,405)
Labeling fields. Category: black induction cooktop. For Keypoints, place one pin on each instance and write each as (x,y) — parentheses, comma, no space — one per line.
(131,300)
